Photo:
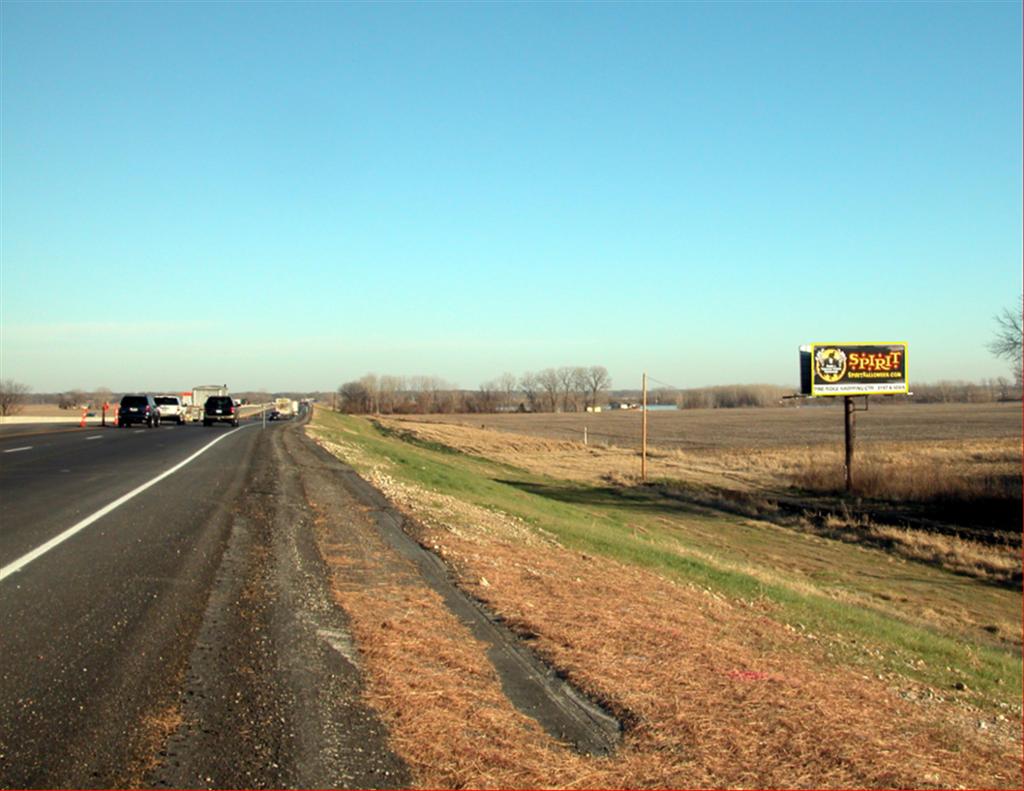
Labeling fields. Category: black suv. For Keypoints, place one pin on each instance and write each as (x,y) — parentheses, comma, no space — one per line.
(219,409)
(138,409)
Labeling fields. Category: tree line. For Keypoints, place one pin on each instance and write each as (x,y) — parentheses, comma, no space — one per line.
(564,389)
(731,396)
(958,392)
(575,389)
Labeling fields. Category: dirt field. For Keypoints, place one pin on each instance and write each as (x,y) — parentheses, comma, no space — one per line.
(722,429)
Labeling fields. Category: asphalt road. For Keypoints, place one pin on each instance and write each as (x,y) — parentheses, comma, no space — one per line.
(135,615)
(90,630)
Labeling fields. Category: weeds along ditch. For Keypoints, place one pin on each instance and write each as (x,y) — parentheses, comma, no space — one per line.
(992,556)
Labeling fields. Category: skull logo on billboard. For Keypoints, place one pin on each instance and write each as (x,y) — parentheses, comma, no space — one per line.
(830,363)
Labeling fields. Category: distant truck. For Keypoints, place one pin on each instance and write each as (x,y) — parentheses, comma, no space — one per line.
(199,395)
(284,408)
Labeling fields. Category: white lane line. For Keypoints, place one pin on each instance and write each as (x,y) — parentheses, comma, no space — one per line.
(95,436)
(19,450)
(24,560)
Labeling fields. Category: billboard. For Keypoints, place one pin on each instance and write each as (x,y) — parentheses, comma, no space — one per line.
(842,369)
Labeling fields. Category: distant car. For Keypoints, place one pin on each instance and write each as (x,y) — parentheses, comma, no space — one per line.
(273,414)
(170,408)
(220,409)
(138,409)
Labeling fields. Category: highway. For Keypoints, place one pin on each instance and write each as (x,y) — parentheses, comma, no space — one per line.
(89,630)
(124,556)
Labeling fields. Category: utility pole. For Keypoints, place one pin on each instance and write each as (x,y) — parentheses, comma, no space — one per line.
(643,441)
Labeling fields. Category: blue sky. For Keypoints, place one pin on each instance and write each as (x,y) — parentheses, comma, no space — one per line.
(287,196)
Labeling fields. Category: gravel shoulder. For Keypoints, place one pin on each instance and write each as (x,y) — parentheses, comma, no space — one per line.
(272,695)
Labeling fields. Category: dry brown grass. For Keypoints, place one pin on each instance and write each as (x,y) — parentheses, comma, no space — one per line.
(430,678)
(998,564)
(715,693)
(982,460)
(156,728)
(968,455)
(919,472)
(750,481)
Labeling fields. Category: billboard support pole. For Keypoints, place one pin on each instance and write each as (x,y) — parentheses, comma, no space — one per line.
(643,440)
(850,432)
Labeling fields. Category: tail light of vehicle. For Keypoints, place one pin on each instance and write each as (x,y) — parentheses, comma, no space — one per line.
(231,410)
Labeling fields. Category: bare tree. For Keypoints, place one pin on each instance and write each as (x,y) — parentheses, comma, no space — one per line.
(71,399)
(529,383)
(354,398)
(372,385)
(390,393)
(446,397)
(596,380)
(12,397)
(419,389)
(1007,342)
(431,394)
(101,396)
(550,387)
(579,389)
(506,385)
(485,399)
(663,395)
(567,387)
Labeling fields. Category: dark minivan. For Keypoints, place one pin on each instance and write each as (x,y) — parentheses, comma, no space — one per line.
(219,409)
(138,409)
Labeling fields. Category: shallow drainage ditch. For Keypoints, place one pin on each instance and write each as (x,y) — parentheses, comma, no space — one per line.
(532,687)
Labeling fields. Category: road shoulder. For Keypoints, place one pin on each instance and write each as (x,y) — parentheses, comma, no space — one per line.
(272,697)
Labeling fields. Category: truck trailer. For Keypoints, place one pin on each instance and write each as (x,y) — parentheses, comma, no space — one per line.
(283,407)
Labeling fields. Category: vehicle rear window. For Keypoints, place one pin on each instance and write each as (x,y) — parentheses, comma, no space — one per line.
(133,401)
(165,400)
(218,402)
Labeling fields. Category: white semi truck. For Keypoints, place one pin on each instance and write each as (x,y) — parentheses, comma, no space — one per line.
(283,407)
